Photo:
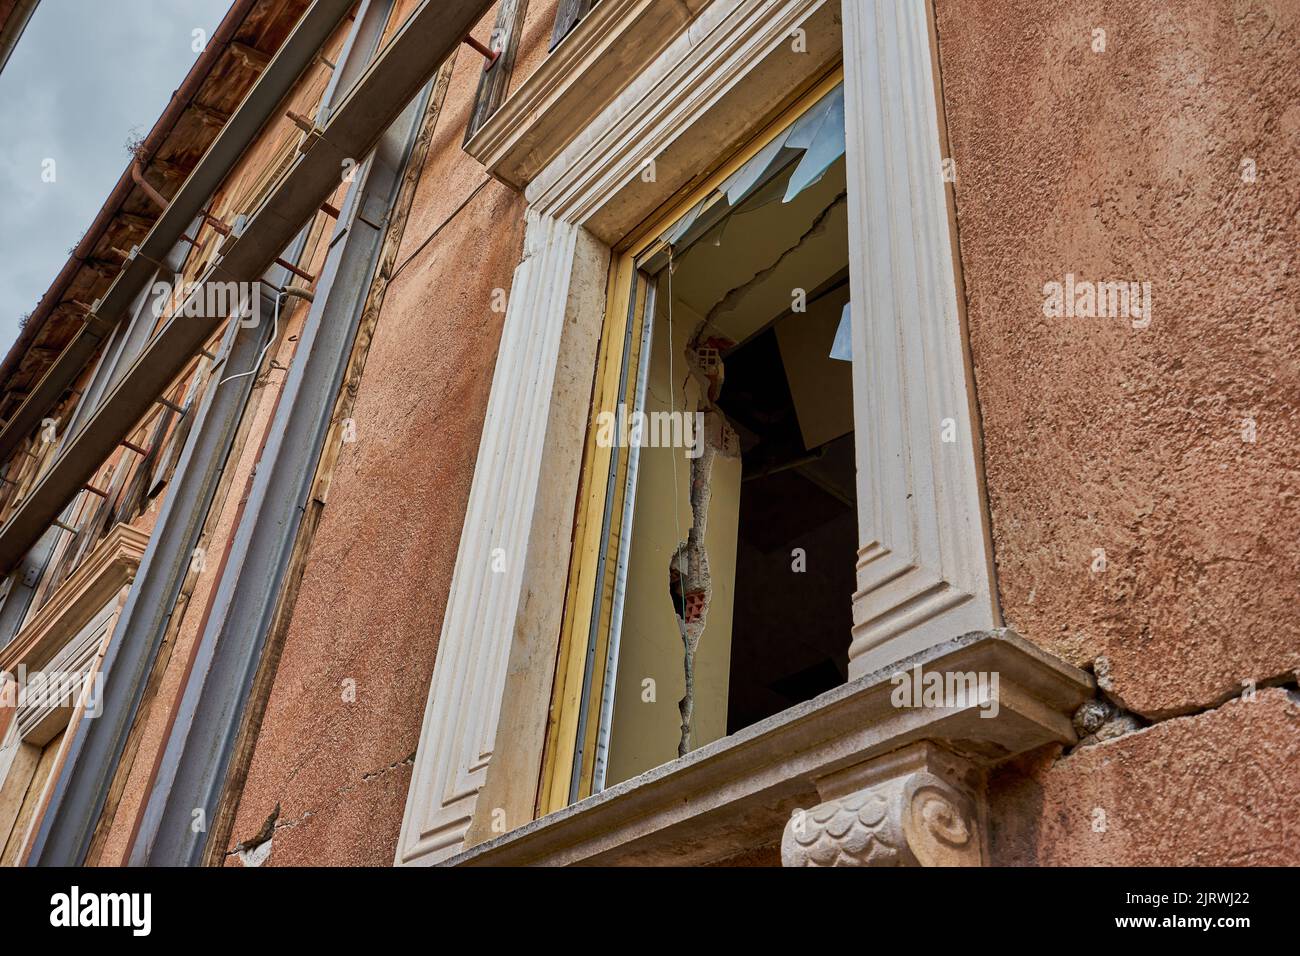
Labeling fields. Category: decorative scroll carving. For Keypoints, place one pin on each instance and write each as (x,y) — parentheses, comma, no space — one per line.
(908,818)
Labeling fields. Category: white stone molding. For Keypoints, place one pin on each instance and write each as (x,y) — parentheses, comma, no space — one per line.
(742,791)
(923,563)
(616,40)
(919,806)
(923,571)
(460,721)
(701,99)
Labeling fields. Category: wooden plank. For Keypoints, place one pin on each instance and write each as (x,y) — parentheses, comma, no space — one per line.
(494,84)
(14,789)
(567,16)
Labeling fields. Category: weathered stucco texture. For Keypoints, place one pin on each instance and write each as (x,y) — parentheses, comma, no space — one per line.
(1127,164)
(372,599)
(1214,789)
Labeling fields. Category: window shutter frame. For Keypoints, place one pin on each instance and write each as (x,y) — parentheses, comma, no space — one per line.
(494,84)
(567,16)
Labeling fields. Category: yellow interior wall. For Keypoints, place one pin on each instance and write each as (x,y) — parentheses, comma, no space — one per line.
(646,734)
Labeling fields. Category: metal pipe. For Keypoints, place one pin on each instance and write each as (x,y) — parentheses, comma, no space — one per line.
(176,107)
(263,100)
(137,176)
(178,409)
(491,56)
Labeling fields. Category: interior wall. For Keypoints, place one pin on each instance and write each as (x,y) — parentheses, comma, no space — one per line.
(645,733)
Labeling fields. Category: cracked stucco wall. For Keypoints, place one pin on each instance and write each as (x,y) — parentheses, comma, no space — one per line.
(1213,789)
(343,717)
(1133,445)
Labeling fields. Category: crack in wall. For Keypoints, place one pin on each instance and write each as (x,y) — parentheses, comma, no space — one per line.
(257,849)
(690,583)
(1105,718)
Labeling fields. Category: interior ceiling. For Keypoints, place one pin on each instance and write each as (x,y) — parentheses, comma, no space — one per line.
(745,270)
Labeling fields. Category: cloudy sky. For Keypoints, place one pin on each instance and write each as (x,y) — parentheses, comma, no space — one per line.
(86,76)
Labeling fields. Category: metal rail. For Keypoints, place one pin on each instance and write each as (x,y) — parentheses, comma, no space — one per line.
(378,96)
(239,132)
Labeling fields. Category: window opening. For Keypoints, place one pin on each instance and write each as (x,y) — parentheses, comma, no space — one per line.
(724,583)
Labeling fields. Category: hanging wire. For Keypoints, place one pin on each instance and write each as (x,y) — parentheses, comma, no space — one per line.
(275,326)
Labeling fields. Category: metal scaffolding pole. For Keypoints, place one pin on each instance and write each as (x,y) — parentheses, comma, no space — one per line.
(203,734)
(353,128)
(239,132)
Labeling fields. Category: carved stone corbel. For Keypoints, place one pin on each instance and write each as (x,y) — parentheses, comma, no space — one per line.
(919,806)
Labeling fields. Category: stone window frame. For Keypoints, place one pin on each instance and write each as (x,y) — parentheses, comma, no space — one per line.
(924,563)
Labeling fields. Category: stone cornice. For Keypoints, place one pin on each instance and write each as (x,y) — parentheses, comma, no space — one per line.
(740,791)
(105,571)
(582,76)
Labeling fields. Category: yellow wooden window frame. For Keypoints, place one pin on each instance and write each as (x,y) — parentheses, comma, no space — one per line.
(563,720)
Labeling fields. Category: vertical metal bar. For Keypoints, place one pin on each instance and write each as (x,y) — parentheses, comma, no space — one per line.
(593,632)
(610,683)
(206,725)
(358,50)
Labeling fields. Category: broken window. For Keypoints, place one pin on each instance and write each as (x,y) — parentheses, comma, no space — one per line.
(714,560)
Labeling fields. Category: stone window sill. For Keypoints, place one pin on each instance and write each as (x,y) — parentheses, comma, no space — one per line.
(740,792)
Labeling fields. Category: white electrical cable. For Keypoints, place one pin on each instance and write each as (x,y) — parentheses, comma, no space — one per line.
(275,326)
